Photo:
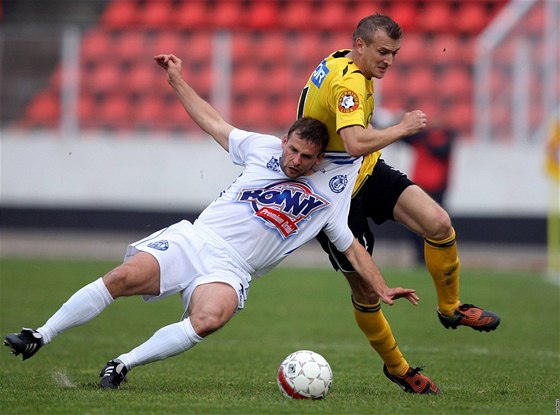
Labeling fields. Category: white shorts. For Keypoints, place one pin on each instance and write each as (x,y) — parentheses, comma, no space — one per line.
(188,258)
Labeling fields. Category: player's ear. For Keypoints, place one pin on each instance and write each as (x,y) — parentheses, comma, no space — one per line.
(359,45)
(284,139)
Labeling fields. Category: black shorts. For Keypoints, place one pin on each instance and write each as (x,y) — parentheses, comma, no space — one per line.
(376,199)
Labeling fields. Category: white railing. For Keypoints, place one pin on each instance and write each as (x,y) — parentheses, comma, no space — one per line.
(524,60)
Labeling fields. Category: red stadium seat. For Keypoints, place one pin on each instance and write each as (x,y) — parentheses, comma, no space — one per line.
(273,48)
(142,78)
(436,17)
(298,15)
(421,82)
(313,49)
(278,81)
(431,107)
(405,13)
(341,40)
(168,42)
(263,14)
(460,116)
(120,14)
(44,110)
(245,80)
(96,44)
(116,112)
(242,46)
(155,13)
(199,47)
(104,78)
(253,115)
(229,14)
(456,83)
(333,16)
(413,50)
(390,84)
(148,112)
(192,14)
(471,17)
(130,45)
(446,49)
(452,49)
(361,9)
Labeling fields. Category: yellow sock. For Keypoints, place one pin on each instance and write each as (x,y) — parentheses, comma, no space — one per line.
(371,320)
(442,262)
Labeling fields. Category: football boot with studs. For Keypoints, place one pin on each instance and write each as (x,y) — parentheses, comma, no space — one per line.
(471,316)
(113,375)
(27,342)
(413,381)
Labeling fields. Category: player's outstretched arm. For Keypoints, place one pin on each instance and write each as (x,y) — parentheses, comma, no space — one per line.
(359,141)
(202,113)
(365,266)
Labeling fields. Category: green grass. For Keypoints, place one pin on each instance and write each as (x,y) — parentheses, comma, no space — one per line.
(514,370)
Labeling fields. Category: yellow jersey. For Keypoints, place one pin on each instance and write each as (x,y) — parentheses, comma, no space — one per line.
(340,96)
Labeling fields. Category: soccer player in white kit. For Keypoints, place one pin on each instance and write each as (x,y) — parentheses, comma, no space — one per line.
(287,193)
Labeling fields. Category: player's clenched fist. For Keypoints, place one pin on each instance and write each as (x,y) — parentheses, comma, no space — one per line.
(414,121)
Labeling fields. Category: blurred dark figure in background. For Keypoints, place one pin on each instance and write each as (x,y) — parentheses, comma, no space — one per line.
(430,170)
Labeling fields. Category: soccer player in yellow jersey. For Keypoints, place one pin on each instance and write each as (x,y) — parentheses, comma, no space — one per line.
(340,94)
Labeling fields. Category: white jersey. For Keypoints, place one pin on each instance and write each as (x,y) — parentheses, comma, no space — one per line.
(263,216)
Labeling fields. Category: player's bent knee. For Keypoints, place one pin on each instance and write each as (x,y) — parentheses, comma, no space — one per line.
(440,225)
(207,324)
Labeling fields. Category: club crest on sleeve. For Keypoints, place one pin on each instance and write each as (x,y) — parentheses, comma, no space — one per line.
(348,102)
(162,245)
(338,183)
(273,164)
(283,205)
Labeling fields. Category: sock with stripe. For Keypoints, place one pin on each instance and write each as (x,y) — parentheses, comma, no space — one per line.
(443,264)
(372,322)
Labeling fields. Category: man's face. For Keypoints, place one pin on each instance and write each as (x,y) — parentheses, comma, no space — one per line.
(299,156)
(378,55)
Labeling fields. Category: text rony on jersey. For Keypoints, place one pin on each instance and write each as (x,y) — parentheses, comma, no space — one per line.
(284,204)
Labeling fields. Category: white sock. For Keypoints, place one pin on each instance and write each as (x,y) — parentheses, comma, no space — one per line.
(166,342)
(84,305)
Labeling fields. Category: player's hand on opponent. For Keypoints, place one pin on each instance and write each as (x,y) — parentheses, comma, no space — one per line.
(413,122)
(391,294)
(172,64)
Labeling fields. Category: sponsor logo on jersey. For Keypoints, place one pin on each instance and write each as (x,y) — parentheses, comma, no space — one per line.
(338,183)
(348,102)
(320,73)
(273,164)
(162,245)
(284,204)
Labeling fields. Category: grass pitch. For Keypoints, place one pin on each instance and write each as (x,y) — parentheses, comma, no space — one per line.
(514,370)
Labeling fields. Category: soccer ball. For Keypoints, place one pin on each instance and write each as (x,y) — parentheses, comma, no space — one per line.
(304,375)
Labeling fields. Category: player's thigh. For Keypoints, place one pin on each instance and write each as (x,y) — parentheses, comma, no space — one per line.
(420,213)
(140,275)
(382,190)
(211,306)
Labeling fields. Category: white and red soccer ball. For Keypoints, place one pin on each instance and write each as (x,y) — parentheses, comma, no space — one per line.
(304,375)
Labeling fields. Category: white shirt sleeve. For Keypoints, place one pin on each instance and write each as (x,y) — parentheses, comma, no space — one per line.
(342,237)
(240,143)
